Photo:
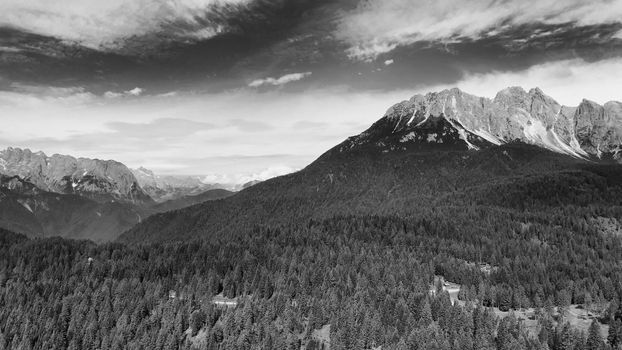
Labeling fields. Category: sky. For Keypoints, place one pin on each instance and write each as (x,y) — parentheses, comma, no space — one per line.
(243,89)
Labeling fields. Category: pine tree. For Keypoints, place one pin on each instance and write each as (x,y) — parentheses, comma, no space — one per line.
(594,339)
(504,337)
(613,337)
(546,335)
(505,300)
(563,303)
(425,313)
(566,338)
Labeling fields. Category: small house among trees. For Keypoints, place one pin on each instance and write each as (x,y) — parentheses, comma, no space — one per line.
(222,301)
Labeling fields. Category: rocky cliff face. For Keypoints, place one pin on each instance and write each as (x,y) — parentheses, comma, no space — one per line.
(14,184)
(93,178)
(587,131)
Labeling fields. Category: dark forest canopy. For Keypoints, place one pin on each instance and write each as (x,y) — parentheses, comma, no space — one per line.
(367,277)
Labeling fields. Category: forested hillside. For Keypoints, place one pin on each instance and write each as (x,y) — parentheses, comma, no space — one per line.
(407,183)
(343,283)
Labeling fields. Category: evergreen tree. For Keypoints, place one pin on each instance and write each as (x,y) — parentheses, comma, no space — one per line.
(594,339)
(425,313)
(505,300)
(504,336)
(614,336)
(565,338)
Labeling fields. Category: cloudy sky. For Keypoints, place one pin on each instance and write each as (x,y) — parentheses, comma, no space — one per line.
(236,89)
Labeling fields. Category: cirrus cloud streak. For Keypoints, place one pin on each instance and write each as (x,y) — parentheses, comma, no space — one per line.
(379,26)
(94,23)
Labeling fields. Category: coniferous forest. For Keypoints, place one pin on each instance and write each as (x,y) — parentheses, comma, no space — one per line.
(508,248)
(348,282)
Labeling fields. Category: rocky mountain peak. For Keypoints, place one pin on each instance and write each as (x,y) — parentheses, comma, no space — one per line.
(514,114)
(425,122)
(101,179)
(17,185)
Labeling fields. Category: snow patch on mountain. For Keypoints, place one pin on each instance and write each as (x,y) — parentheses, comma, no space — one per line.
(434,138)
(568,149)
(411,118)
(465,138)
(409,137)
(488,136)
(25,205)
(425,119)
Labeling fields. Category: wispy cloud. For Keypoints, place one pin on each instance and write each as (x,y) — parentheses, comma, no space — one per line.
(9,49)
(33,95)
(133,92)
(379,26)
(95,22)
(288,78)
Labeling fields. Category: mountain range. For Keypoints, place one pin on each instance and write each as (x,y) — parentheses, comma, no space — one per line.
(83,198)
(439,153)
(102,180)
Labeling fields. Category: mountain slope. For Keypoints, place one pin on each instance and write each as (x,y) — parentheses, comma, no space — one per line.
(404,183)
(27,209)
(189,200)
(424,157)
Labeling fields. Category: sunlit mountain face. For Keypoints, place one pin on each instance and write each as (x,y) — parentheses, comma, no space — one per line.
(219,82)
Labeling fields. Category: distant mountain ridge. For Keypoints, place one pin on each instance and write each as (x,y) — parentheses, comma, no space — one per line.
(170,187)
(101,180)
(587,131)
(82,198)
